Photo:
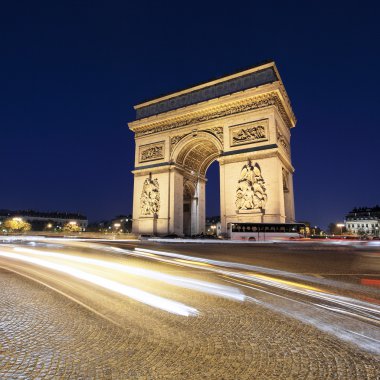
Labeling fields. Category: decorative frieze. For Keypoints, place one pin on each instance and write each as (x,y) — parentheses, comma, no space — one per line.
(266,100)
(150,197)
(251,190)
(249,133)
(176,139)
(152,152)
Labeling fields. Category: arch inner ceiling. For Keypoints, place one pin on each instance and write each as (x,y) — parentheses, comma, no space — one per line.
(197,155)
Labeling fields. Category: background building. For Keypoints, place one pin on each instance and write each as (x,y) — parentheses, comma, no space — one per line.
(45,221)
(364,221)
(213,226)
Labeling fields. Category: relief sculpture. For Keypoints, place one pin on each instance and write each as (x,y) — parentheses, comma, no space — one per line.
(218,133)
(176,139)
(282,140)
(249,133)
(251,190)
(151,152)
(150,197)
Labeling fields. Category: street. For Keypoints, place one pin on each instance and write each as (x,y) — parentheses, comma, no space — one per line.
(150,310)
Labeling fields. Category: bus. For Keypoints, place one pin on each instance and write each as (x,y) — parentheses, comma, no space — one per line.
(265,231)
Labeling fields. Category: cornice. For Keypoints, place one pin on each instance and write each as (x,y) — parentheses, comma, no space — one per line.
(272,98)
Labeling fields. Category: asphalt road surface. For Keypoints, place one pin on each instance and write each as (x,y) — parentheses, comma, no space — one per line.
(128,310)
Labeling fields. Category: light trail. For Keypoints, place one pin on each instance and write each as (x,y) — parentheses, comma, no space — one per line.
(189,283)
(351,311)
(278,283)
(282,292)
(133,293)
(159,255)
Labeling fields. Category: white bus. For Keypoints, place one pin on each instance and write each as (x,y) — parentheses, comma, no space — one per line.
(265,231)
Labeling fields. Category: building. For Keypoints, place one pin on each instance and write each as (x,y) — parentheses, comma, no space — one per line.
(121,224)
(213,226)
(243,121)
(41,221)
(363,221)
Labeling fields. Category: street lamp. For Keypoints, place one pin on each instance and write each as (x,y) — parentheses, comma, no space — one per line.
(341,225)
(117,227)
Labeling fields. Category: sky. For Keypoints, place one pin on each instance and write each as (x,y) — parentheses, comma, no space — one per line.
(71,71)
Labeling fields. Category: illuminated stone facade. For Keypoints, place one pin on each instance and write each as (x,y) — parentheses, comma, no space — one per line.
(243,121)
(364,221)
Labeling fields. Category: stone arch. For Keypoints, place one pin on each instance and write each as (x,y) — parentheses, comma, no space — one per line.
(231,120)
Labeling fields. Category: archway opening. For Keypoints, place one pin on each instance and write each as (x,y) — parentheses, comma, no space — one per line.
(213,197)
(194,156)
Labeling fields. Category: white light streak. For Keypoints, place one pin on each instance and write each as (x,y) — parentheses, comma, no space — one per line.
(189,283)
(133,293)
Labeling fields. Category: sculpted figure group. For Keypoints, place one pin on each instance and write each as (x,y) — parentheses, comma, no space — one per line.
(152,153)
(249,134)
(150,197)
(251,191)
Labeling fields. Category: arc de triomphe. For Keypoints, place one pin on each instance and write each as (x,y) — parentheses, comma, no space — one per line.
(243,121)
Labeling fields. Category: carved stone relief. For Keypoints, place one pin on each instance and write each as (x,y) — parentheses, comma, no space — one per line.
(150,197)
(217,132)
(176,139)
(151,152)
(251,190)
(249,133)
(282,140)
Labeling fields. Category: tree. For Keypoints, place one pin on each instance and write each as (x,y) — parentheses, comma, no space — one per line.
(16,225)
(333,229)
(72,227)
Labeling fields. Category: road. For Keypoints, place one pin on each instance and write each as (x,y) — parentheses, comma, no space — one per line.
(128,310)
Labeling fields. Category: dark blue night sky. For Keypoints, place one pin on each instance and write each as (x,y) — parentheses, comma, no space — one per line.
(72,71)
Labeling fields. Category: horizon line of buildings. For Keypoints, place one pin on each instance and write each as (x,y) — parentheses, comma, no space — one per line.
(359,221)
(46,220)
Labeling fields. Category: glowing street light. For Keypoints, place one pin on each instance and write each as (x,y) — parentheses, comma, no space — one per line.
(341,225)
